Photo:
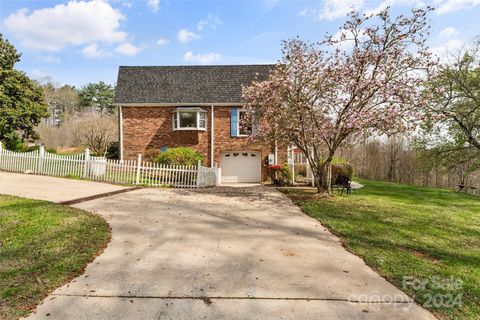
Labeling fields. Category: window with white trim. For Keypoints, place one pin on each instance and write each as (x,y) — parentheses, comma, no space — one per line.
(189,119)
(244,125)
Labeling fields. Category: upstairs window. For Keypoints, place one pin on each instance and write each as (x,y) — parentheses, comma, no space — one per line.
(189,119)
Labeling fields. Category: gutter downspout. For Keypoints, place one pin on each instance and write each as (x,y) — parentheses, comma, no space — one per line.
(120,131)
(276,152)
(212,142)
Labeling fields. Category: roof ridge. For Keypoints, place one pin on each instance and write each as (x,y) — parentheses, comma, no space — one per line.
(199,65)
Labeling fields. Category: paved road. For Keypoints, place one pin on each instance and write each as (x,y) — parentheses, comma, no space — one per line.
(221,253)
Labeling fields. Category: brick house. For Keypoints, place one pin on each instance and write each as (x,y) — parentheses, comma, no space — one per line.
(193,106)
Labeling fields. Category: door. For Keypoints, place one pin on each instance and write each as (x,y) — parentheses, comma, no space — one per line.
(241,166)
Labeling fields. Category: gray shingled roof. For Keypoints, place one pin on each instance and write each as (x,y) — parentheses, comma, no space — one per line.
(186,84)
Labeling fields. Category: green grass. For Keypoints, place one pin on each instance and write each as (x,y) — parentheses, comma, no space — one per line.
(42,245)
(402,230)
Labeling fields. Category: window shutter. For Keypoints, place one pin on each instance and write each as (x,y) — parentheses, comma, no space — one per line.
(233,122)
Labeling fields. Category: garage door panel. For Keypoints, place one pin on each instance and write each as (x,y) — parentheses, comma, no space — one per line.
(241,166)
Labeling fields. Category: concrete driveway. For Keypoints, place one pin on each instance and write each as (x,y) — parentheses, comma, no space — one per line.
(50,188)
(221,253)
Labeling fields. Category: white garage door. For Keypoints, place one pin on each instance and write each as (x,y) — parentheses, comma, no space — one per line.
(240,166)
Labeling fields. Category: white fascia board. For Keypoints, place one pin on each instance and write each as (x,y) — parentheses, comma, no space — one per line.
(226,104)
(189,109)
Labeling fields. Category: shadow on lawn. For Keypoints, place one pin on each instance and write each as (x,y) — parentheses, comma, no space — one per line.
(406,230)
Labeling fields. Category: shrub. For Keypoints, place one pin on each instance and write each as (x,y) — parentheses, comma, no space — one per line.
(285,175)
(179,156)
(338,160)
(32,148)
(151,154)
(113,151)
(13,142)
(37,147)
(281,175)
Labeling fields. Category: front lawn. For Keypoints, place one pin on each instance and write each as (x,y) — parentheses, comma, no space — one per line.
(424,240)
(42,245)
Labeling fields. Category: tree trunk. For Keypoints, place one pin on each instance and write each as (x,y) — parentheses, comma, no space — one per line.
(324,177)
(321,170)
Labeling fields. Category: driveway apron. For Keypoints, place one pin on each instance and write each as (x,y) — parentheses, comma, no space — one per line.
(51,188)
(222,253)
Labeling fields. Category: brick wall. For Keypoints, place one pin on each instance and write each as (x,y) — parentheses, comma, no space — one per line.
(151,127)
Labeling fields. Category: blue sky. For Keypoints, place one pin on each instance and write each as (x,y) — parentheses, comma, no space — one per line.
(76,42)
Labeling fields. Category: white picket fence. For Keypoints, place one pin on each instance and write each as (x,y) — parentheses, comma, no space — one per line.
(102,169)
(207,176)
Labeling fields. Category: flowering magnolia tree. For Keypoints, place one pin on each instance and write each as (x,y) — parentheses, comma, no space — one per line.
(368,77)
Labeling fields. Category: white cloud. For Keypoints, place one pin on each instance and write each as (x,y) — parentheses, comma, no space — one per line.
(448,48)
(200,58)
(154,5)
(49,59)
(347,42)
(127,4)
(270,4)
(309,12)
(264,36)
(39,74)
(333,9)
(185,35)
(212,22)
(161,42)
(127,49)
(338,36)
(448,32)
(74,23)
(305,12)
(390,3)
(444,6)
(381,6)
(92,51)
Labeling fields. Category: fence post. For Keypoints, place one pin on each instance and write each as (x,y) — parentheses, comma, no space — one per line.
(312,176)
(199,164)
(139,163)
(218,175)
(293,164)
(86,163)
(41,156)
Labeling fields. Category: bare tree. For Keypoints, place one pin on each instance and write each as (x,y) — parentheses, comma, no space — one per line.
(395,145)
(62,102)
(96,132)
